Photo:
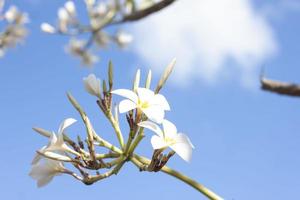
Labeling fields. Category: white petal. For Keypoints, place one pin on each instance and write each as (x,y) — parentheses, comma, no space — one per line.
(70,7)
(170,129)
(126,105)
(55,143)
(127,94)
(60,140)
(160,100)
(44,172)
(44,181)
(92,85)
(183,147)
(154,113)
(36,159)
(41,170)
(145,94)
(65,124)
(63,14)
(37,156)
(153,127)
(182,138)
(158,142)
(52,139)
(56,156)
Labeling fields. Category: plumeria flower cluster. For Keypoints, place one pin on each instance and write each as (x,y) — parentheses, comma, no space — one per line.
(15,30)
(93,158)
(145,109)
(101,15)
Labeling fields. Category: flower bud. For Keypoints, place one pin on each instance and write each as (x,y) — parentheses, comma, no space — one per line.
(148,80)
(92,85)
(70,8)
(123,39)
(63,15)
(47,28)
(136,82)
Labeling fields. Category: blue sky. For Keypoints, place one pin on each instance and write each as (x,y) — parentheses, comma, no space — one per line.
(247,141)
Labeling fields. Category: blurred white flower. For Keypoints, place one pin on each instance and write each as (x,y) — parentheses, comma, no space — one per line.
(97,13)
(169,137)
(56,142)
(100,9)
(92,85)
(70,8)
(44,172)
(47,28)
(151,104)
(89,2)
(63,19)
(77,48)
(15,31)
(63,14)
(11,14)
(88,59)
(123,39)
(101,39)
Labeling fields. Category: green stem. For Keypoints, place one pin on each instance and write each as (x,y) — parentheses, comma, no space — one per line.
(116,127)
(129,141)
(108,145)
(141,161)
(114,123)
(137,140)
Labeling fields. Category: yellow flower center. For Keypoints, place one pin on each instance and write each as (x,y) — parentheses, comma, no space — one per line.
(143,105)
(170,141)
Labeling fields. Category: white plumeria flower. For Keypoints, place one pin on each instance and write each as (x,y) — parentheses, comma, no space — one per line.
(151,104)
(56,142)
(44,172)
(168,137)
(92,85)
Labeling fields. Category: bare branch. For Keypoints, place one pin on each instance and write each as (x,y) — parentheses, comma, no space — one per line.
(279,87)
(147,11)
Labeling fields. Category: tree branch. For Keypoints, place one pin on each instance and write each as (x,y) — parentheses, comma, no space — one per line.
(147,11)
(279,87)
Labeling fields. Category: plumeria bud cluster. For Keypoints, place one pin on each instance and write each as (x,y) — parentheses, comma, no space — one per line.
(14,29)
(144,109)
(101,15)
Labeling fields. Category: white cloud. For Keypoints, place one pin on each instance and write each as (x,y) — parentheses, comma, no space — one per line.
(206,36)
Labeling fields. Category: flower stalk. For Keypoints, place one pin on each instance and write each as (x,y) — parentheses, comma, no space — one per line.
(140,162)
